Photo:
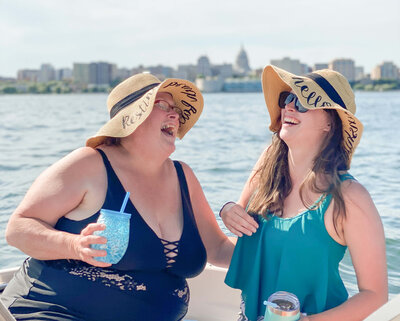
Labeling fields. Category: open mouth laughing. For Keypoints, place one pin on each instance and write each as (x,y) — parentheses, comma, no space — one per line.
(168,130)
(290,120)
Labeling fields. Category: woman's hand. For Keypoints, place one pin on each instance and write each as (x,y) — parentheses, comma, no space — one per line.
(237,220)
(304,317)
(83,242)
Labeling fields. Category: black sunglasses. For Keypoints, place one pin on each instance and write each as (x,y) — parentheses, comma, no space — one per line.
(285,98)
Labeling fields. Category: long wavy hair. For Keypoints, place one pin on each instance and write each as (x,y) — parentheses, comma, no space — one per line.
(273,178)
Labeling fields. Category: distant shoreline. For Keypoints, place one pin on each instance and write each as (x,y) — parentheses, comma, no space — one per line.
(60,87)
(106,92)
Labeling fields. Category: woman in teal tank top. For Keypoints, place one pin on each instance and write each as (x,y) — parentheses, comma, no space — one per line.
(300,210)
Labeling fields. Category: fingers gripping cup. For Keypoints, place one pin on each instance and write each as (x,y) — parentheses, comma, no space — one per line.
(116,232)
(282,306)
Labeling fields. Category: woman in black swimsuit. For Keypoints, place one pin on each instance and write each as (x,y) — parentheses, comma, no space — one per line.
(173,231)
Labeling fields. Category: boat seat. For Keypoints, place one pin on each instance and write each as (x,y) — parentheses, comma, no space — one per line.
(388,312)
(5,315)
(5,277)
(210,298)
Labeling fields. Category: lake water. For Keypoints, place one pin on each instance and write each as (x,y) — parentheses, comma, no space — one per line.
(37,130)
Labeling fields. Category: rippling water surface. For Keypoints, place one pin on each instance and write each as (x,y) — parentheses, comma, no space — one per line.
(222,148)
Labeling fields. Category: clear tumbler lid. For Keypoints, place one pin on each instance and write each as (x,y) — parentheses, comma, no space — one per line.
(285,303)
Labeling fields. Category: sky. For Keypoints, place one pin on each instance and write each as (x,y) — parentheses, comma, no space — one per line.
(132,33)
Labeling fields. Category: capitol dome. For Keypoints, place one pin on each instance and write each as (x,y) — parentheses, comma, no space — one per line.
(242,62)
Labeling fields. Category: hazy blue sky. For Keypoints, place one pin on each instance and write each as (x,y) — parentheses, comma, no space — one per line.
(153,32)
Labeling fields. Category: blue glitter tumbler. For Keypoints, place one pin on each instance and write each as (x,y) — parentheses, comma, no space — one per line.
(116,232)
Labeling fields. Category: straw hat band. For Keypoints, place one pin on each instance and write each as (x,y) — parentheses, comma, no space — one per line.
(130,99)
(328,88)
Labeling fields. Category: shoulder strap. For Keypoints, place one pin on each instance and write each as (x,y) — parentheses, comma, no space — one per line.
(106,162)
(325,202)
(327,198)
(184,190)
(181,177)
(346,176)
(115,190)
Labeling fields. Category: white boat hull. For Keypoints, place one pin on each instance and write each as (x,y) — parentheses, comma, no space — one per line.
(212,300)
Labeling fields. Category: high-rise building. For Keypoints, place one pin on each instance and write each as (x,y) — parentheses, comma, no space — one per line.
(320,66)
(386,70)
(359,73)
(345,66)
(80,73)
(204,67)
(223,70)
(188,72)
(46,73)
(242,63)
(27,75)
(122,73)
(94,73)
(114,72)
(292,65)
(63,74)
(160,71)
(104,73)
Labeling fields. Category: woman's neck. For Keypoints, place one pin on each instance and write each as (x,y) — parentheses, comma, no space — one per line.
(301,162)
(143,159)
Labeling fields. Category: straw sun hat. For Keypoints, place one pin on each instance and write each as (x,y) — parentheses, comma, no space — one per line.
(322,89)
(131,102)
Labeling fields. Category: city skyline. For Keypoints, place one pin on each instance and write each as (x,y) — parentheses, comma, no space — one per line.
(37,68)
(157,32)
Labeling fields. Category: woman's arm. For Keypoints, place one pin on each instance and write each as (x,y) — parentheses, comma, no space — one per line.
(65,187)
(219,247)
(235,218)
(364,236)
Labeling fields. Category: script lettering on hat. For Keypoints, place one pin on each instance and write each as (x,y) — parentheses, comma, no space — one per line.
(298,82)
(129,120)
(187,90)
(187,112)
(191,95)
(351,134)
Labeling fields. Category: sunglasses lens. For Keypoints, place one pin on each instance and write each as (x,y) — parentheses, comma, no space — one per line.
(282,99)
(299,107)
(290,98)
(285,98)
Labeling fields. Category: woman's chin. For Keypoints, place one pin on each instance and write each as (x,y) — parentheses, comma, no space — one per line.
(170,147)
(286,135)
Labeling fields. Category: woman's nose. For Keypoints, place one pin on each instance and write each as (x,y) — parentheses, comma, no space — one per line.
(290,106)
(173,114)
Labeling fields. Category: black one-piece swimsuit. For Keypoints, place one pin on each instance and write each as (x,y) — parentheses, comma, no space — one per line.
(146,284)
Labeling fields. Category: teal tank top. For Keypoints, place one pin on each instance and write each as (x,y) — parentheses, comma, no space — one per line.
(294,254)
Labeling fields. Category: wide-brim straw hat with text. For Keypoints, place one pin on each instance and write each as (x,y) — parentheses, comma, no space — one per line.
(321,89)
(131,102)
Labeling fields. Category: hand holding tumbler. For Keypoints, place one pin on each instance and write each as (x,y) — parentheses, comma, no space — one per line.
(116,232)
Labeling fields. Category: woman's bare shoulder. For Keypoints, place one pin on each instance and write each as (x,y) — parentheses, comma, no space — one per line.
(353,191)
(84,159)
(358,201)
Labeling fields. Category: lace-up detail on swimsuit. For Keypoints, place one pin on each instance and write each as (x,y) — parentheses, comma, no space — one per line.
(170,251)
